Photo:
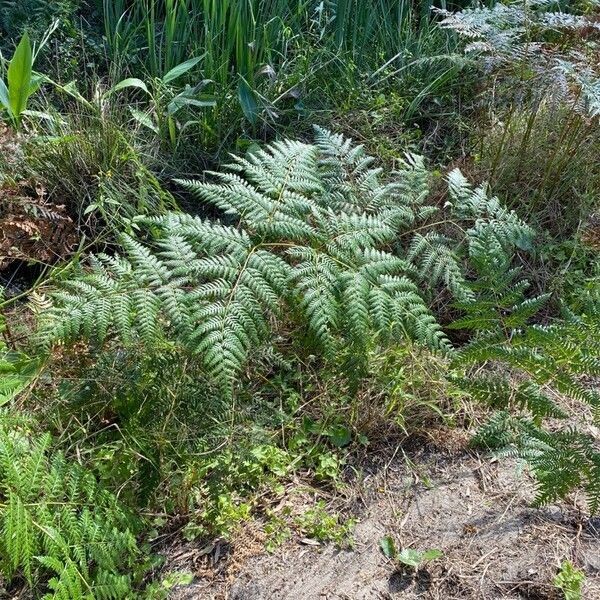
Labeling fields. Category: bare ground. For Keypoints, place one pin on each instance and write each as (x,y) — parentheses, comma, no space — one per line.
(473,508)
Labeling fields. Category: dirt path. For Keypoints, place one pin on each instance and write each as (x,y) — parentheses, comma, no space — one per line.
(476,510)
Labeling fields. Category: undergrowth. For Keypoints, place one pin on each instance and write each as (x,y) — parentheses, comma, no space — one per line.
(225,346)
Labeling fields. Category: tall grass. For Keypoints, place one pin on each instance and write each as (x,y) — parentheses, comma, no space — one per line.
(236,35)
(361,27)
(243,35)
(262,59)
(541,158)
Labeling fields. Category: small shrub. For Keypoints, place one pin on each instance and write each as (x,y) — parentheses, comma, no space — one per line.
(319,524)
(569,581)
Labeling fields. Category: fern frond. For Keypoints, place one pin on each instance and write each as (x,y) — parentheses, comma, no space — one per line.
(58,525)
(315,228)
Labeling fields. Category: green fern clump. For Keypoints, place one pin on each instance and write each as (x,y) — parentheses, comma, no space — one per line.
(521,369)
(562,461)
(315,242)
(513,33)
(525,371)
(313,251)
(58,529)
(484,249)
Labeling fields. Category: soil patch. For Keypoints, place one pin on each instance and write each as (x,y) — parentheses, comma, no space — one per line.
(476,510)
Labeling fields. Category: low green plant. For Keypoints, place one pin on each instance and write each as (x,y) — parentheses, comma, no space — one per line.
(90,164)
(17,370)
(409,557)
(529,368)
(161,590)
(409,387)
(222,488)
(319,524)
(21,82)
(277,530)
(569,581)
(137,429)
(173,112)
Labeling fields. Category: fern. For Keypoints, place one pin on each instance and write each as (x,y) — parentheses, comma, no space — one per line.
(528,37)
(504,32)
(539,363)
(478,258)
(312,246)
(562,461)
(315,231)
(58,526)
(518,368)
(313,240)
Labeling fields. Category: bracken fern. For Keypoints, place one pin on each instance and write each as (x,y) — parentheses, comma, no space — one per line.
(313,241)
(57,526)
(530,368)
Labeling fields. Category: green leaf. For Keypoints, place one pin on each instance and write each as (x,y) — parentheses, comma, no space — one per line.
(248,101)
(4,99)
(130,82)
(181,101)
(340,436)
(388,546)
(413,558)
(410,557)
(19,76)
(144,119)
(89,209)
(70,89)
(570,581)
(36,82)
(177,578)
(180,69)
(431,554)
(37,114)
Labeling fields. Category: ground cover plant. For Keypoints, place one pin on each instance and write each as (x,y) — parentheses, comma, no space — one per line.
(246,245)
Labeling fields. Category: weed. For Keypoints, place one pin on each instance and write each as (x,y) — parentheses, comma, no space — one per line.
(161,590)
(409,557)
(319,524)
(569,581)
(277,530)
(90,165)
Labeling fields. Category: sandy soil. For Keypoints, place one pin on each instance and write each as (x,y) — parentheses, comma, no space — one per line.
(475,509)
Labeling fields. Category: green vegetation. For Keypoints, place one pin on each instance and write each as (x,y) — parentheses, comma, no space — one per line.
(408,557)
(243,241)
(58,523)
(569,581)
